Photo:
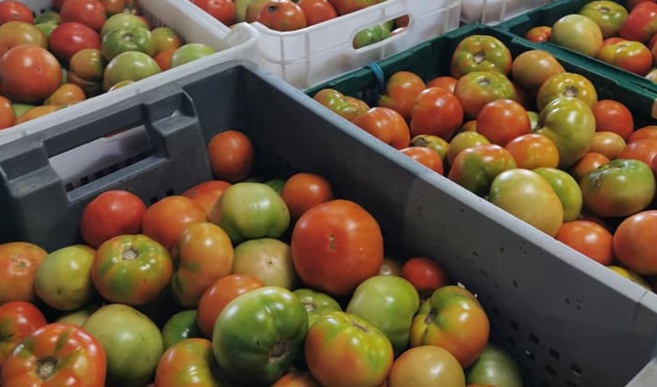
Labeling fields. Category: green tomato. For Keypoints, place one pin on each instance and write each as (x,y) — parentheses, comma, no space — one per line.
(126,39)
(78,317)
(260,334)
(48,16)
(608,15)
(248,210)
(276,184)
(389,303)
(480,53)
(494,367)
(566,188)
(180,326)
(570,124)
(121,20)
(190,52)
(129,66)
(316,303)
(371,35)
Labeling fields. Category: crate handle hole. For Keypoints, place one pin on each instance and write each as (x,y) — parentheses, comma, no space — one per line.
(381,32)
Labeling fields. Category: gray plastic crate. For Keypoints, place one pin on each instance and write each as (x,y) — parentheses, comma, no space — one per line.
(568,321)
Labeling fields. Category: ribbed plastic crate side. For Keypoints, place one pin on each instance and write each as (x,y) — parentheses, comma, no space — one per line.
(496,11)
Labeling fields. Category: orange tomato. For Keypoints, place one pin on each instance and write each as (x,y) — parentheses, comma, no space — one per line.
(588,163)
(426,157)
(302,191)
(533,151)
(643,133)
(207,193)
(7,116)
(231,156)
(166,219)
(65,94)
(401,90)
(589,238)
(613,116)
(436,111)
(502,120)
(18,264)
(385,124)
(609,144)
(446,82)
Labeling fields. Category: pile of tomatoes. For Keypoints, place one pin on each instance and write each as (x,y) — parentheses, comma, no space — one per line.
(77,50)
(534,140)
(239,280)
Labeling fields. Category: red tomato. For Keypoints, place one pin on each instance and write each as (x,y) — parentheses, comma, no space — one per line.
(282,15)
(110,214)
(436,111)
(18,264)
(613,116)
(29,74)
(533,151)
(317,11)
(207,193)
(425,274)
(18,319)
(166,219)
(446,82)
(632,56)
(218,295)
(643,133)
(11,10)
(539,34)
(7,116)
(502,120)
(589,238)
(303,191)
(189,362)
(426,157)
(231,156)
(222,10)
(401,90)
(474,168)
(335,246)
(56,355)
(385,124)
(89,12)
(634,242)
(644,150)
(590,162)
(70,37)
(639,24)
(296,378)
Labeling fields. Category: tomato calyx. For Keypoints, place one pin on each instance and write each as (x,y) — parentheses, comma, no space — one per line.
(479,56)
(483,81)
(310,306)
(130,254)
(357,325)
(279,350)
(571,91)
(46,367)
(430,316)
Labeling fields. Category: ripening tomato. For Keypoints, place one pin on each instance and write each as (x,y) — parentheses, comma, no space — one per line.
(480,53)
(634,241)
(69,38)
(533,151)
(207,193)
(425,274)
(533,67)
(7,115)
(336,245)
(67,93)
(18,319)
(477,88)
(231,155)
(111,213)
(189,362)
(426,365)
(426,157)
(643,150)
(589,238)
(476,167)
(613,116)
(642,133)
(166,219)
(88,12)
(317,11)
(387,125)
(296,378)
(539,34)
(462,141)
(11,10)
(502,120)
(282,15)
(401,90)
(222,10)
(436,111)
(632,56)
(29,74)
(566,84)
(609,144)
(639,24)
(445,81)
(302,191)
(590,162)
(19,262)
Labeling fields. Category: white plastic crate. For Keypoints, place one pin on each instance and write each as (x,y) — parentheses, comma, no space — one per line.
(190,22)
(317,53)
(495,11)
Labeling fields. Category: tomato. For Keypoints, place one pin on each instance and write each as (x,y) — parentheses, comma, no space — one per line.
(348,6)
(389,303)
(480,53)
(132,343)
(129,66)
(231,156)
(335,246)
(642,133)
(15,11)
(218,295)
(267,259)
(282,15)
(166,219)
(425,274)
(317,11)
(401,90)
(222,10)
(567,190)
(204,253)
(589,162)
(345,350)
(29,74)
(494,367)
(609,144)
(296,378)
(131,269)
(16,33)
(56,355)
(618,188)
(476,167)
(566,85)
(539,34)
(633,241)
(533,151)
(426,157)
(529,197)
(570,124)
(340,104)
(632,56)
(436,111)
(189,362)
(426,365)
(632,276)
(78,317)
(462,141)
(477,88)
(18,319)
(111,213)
(644,150)
(302,191)
(453,319)
(19,262)
(113,7)
(88,12)
(316,303)
(36,112)
(386,124)
(88,65)
(260,350)
(67,93)
(502,120)
(533,67)
(249,210)
(578,33)
(70,37)
(589,238)
(609,15)
(445,81)
(435,143)
(180,326)
(207,193)
(639,24)
(7,116)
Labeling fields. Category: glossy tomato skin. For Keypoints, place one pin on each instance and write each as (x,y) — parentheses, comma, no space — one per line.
(533,151)
(494,367)
(480,53)
(539,34)
(619,188)
(260,334)
(426,365)
(477,88)
(634,241)
(453,319)
(88,12)
(15,11)
(7,115)
(222,10)
(18,319)
(436,111)
(189,362)
(613,116)
(426,157)
(110,214)
(566,84)
(502,120)
(339,103)
(19,262)
(425,274)
(303,190)
(282,15)
(475,168)
(207,193)
(533,67)
(401,90)
(316,303)
(609,15)
(131,269)
(632,56)
(589,238)
(29,74)
(387,125)
(566,188)
(317,11)
(56,355)
(639,24)
(345,350)
(231,155)
(166,219)
(335,246)
(179,327)
(70,37)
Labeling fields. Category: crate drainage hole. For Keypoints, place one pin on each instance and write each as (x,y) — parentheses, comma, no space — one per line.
(514,324)
(576,369)
(534,339)
(550,370)
(554,353)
